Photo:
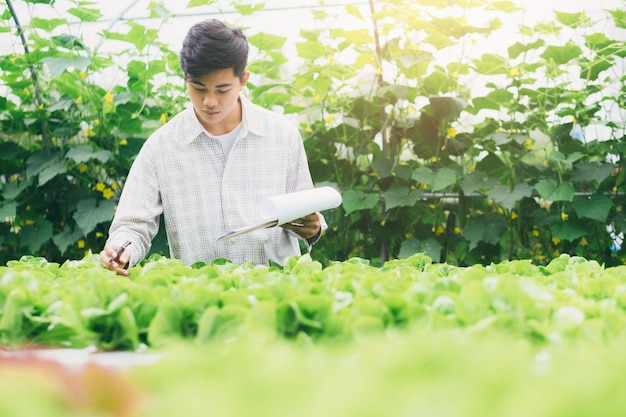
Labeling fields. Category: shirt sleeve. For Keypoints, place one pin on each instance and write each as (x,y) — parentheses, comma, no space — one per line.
(139,209)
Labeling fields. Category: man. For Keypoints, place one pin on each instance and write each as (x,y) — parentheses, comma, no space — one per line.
(207,169)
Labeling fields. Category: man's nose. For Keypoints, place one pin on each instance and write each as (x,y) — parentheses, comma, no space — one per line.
(209,100)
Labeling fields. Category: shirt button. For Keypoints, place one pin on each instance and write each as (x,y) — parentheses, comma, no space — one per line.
(232,241)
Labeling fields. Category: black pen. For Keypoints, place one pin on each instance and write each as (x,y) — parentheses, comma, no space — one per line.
(120,250)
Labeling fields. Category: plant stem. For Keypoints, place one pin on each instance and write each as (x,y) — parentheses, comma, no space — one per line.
(33,76)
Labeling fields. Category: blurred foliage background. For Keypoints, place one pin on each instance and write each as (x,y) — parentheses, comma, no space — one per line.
(436,144)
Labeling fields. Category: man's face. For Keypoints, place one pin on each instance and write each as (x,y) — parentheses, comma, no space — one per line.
(215,98)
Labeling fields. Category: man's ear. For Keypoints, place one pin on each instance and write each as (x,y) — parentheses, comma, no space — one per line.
(244,78)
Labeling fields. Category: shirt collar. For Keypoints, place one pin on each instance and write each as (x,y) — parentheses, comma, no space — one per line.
(248,121)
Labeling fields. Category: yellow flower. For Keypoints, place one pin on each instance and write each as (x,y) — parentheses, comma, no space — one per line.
(564,216)
(556,241)
(123,142)
(41,106)
(408,235)
(96,122)
(81,244)
(333,100)
(451,132)
(83,75)
(474,41)
(108,98)
(107,193)
(90,133)
(329,119)
(163,118)
(528,144)
(114,185)
(513,215)
(99,234)
(583,242)
(100,186)
(308,129)
(79,100)
(457,230)
(13,59)
(439,230)
(331,59)
(514,72)
(535,233)
(379,71)
(383,222)
(26,92)
(82,167)
(500,210)
(317,99)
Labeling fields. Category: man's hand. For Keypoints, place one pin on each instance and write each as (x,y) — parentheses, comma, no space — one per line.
(110,259)
(306,227)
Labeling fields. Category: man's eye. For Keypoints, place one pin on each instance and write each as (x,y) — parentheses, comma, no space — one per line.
(222,91)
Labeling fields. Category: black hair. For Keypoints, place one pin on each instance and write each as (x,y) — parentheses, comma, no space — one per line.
(210,45)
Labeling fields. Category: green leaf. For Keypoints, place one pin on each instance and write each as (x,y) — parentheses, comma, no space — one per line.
(550,191)
(401,196)
(89,214)
(383,167)
(33,236)
(51,171)
(484,228)
(7,209)
(430,247)
(354,11)
(66,238)
(198,3)
(561,54)
(353,200)
(569,230)
(507,198)
(58,65)
(447,107)
(436,180)
(573,20)
(477,181)
(595,207)
(592,171)
(266,41)
(248,9)
(83,153)
(85,14)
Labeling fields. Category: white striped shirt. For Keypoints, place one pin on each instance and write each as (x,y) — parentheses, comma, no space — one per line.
(183,174)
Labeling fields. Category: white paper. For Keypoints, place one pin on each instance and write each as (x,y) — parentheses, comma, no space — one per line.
(286,208)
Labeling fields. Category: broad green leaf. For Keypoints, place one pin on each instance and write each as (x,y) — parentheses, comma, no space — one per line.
(569,230)
(354,11)
(573,20)
(198,3)
(430,247)
(383,167)
(89,213)
(85,14)
(66,238)
(248,9)
(561,54)
(7,209)
(436,180)
(595,207)
(550,191)
(507,198)
(354,200)
(401,196)
(592,171)
(477,181)
(33,236)
(490,64)
(484,228)
(266,41)
(51,171)
(83,153)
(447,107)
(58,65)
